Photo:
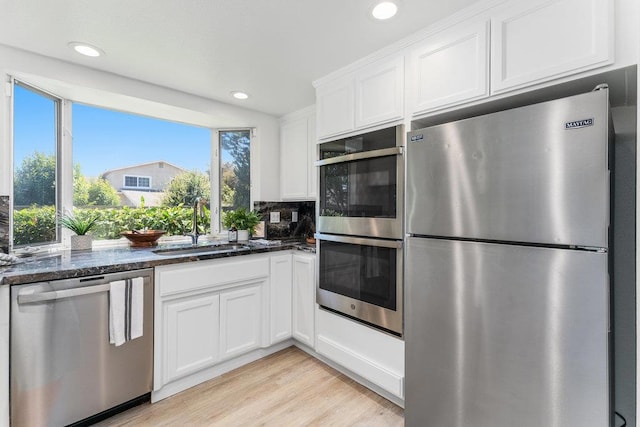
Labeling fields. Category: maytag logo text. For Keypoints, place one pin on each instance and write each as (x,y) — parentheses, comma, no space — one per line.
(579,124)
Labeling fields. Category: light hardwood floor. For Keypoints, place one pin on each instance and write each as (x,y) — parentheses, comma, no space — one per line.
(288,388)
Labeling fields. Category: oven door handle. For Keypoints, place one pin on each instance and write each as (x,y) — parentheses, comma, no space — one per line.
(393,151)
(394,244)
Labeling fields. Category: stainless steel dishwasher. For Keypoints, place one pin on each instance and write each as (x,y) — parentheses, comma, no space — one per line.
(63,368)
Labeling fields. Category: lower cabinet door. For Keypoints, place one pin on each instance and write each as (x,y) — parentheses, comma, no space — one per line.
(280,305)
(240,320)
(304,291)
(192,338)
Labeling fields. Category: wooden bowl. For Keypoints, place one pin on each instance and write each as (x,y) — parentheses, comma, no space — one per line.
(143,238)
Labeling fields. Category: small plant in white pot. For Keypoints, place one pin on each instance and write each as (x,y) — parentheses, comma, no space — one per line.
(245,221)
(80,226)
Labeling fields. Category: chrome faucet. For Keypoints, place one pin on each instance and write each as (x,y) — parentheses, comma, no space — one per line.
(197,210)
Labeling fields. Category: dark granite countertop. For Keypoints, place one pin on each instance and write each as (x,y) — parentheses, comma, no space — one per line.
(68,264)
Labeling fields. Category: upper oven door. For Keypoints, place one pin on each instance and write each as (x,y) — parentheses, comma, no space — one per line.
(362,185)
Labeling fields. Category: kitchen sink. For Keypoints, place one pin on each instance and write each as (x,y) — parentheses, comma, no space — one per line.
(199,250)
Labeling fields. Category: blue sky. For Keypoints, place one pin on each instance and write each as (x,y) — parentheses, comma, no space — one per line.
(105,139)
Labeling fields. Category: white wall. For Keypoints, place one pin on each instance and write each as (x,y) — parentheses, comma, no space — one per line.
(91,86)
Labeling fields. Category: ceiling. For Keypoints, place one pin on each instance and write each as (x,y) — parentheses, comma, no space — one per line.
(272,49)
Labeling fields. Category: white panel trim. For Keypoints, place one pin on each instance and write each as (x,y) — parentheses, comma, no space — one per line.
(361,365)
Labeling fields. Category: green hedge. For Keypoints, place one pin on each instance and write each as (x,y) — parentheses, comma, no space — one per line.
(33,225)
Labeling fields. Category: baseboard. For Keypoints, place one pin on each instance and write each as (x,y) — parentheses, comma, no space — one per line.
(215,371)
(207,374)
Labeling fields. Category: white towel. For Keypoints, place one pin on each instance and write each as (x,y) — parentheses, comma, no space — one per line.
(126,307)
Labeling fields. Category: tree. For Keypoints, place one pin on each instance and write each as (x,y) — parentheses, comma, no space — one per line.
(184,188)
(92,192)
(80,187)
(229,183)
(101,193)
(35,181)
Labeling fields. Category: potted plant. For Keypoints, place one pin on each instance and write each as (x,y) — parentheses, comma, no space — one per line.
(80,226)
(244,220)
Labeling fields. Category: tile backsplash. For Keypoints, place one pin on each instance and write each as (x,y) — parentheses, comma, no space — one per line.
(4,224)
(287,220)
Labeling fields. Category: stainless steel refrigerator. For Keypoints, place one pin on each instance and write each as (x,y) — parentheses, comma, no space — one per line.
(506,274)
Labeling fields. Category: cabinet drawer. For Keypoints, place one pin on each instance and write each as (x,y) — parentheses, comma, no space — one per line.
(175,279)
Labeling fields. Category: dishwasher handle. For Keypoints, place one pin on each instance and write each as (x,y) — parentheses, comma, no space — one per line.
(28,298)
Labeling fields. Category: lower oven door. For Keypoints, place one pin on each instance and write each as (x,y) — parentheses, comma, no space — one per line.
(362,278)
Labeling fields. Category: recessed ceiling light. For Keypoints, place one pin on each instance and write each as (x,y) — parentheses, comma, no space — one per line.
(86,49)
(384,10)
(239,95)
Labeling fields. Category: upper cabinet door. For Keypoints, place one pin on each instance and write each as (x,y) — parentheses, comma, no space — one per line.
(295,160)
(449,68)
(297,155)
(532,42)
(379,91)
(335,107)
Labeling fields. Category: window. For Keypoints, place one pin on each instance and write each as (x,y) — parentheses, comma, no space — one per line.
(235,169)
(130,171)
(36,146)
(149,170)
(137,181)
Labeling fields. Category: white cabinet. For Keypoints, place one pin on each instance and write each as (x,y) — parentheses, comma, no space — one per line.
(240,320)
(532,42)
(512,46)
(191,327)
(212,316)
(297,155)
(280,298)
(379,90)
(304,292)
(449,68)
(206,312)
(335,105)
(368,96)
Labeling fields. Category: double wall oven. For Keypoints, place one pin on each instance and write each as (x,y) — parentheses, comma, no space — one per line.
(360,227)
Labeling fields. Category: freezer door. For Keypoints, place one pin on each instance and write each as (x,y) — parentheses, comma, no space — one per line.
(532,174)
(503,336)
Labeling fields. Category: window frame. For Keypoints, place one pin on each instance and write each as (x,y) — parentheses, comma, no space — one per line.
(64,165)
(216,190)
(61,117)
(137,186)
